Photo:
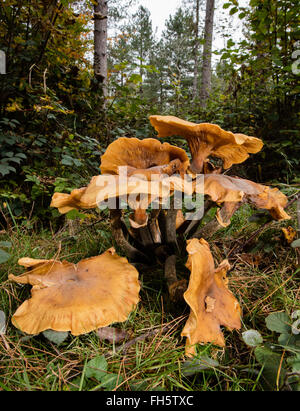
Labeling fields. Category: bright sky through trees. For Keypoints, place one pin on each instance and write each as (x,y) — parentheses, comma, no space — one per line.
(161,10)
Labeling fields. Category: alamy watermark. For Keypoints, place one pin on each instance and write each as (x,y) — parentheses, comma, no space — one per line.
(158,191)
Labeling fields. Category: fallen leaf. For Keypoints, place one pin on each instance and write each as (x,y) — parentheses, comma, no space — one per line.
(251,259)
(112,334)
(289,234)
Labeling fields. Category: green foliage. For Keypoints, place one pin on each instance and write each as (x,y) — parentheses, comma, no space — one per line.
(196,365)
(57,337)
(279,360)
(278,322)
(296,243)
(259,86)
(4,256)
(252,338)
(11,154)
(96,368)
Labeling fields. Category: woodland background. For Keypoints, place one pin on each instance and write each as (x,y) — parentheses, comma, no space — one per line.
(55,123)
(67,93)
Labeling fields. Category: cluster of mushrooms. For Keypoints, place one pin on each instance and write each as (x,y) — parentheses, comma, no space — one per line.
(146,175)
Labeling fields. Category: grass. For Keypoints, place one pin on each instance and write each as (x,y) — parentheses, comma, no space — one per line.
(263,281)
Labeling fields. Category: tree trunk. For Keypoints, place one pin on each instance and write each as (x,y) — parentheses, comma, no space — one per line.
(206,68)
(100,43)
(196,52)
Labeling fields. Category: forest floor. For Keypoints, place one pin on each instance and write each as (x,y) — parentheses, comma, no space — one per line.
(264,278)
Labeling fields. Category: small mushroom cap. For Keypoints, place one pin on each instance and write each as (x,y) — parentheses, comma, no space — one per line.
(207,139)
(222,188)
(140,155)
(211,303)
(79,297)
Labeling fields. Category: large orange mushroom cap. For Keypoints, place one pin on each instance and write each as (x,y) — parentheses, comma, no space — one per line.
(211,303)
(207,139)
(140,155)
(79,297)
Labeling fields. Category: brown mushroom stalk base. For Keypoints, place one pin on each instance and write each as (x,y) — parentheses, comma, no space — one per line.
(117,231)
(176,287)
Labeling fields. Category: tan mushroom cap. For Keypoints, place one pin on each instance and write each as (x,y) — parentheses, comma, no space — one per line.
(207,139)
(138,192)
(222,188)
(211,303)
(142,155)
(79,297)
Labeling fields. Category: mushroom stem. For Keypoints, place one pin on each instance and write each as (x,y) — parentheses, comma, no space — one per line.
(193,224)
(167,225)
(117,232)
(145,236)
(176,287)
(208,230)
(153,226)
(214,225)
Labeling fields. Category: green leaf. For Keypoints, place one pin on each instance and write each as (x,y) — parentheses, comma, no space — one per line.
(97,367)
(265,356)
(5,244)
(289,341)
(8,154)
(4,256)
(136,78)
(139,385)
(67,161)
(230,43)
(111,381)
(233,11)
(226,5)
(77,162)
(21,155)
(5,169)
(191,367)
(73,214)
(294,362)
(279,322)
(296,243)
(2,323)
(57,337)
(296,324)
(271,361)
(252,338)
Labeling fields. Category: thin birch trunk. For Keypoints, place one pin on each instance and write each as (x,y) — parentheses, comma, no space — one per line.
(196,52)
(100,43)
(207,49)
